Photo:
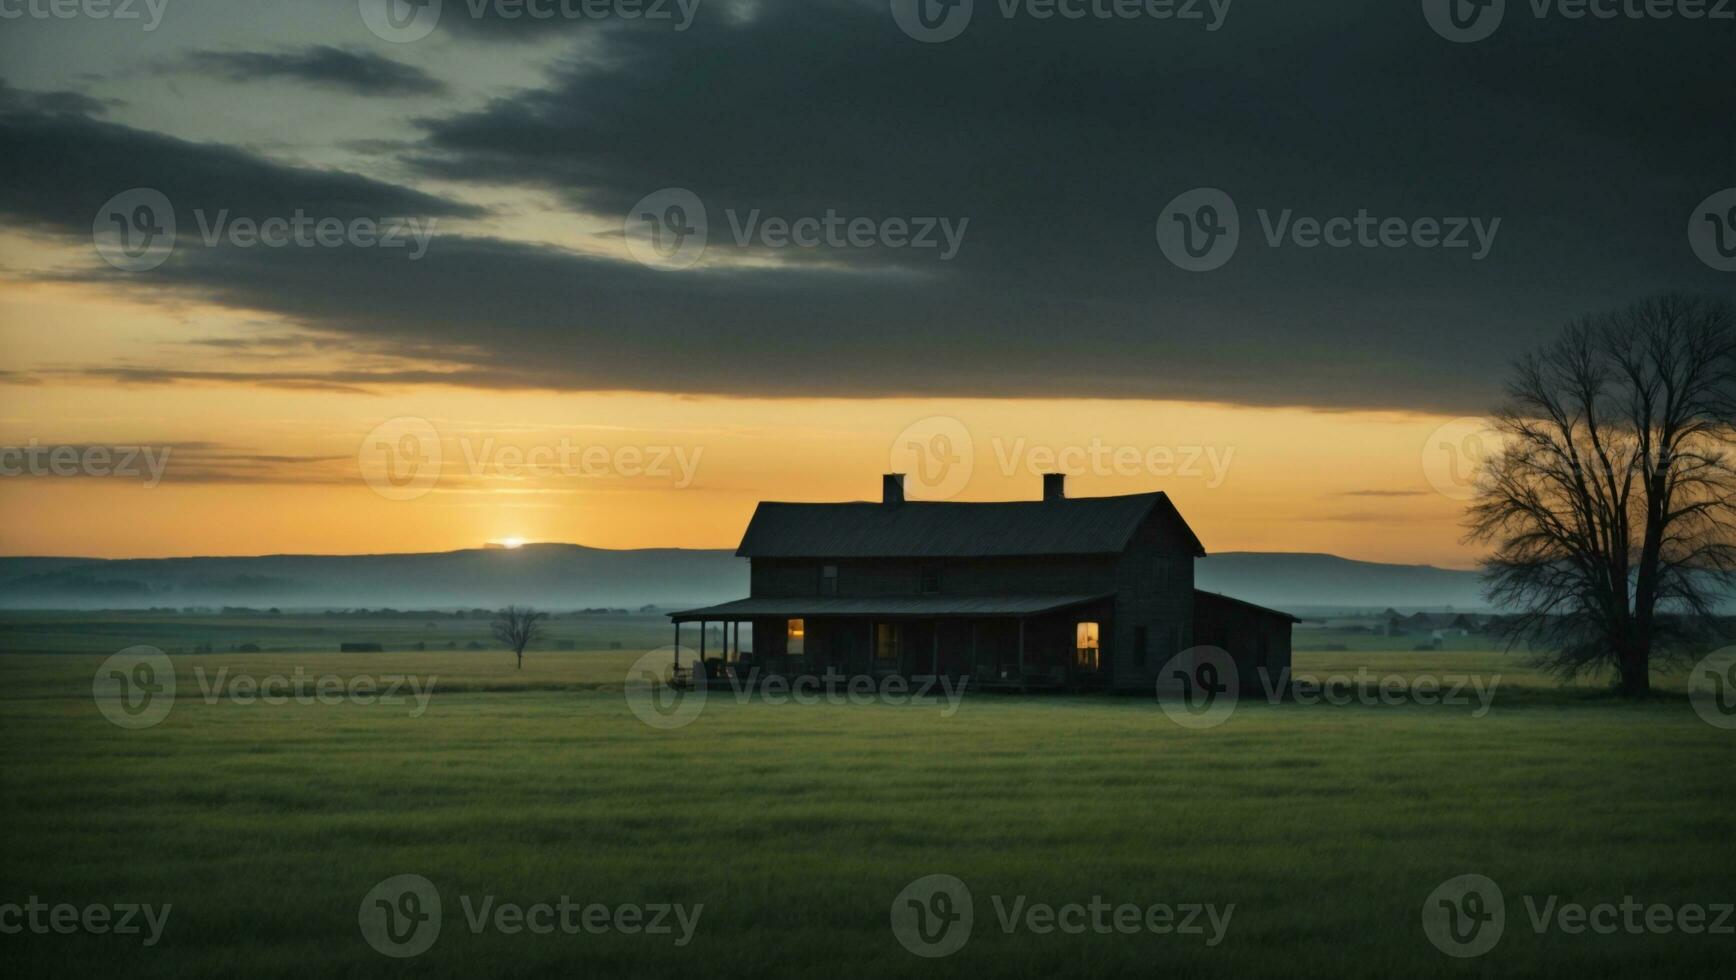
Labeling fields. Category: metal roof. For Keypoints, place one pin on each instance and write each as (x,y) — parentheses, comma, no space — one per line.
(930,529)
(890,606)
(1201,594)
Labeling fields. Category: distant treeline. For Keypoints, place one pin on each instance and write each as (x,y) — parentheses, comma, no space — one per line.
(384,612)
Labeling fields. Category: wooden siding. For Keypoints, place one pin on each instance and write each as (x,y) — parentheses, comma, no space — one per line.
(1257,639)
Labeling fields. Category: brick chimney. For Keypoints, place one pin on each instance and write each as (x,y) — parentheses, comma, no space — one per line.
(1054,486)
(892,489)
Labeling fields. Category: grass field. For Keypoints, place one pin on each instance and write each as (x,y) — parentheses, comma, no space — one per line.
(264,825)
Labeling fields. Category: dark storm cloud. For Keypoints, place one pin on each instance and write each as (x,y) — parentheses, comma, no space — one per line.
(361,72)
(54,103)
(1061,142)
(60,167)
(507,315)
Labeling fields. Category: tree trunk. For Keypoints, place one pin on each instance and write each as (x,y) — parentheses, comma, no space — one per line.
(520,659)
(1636,669)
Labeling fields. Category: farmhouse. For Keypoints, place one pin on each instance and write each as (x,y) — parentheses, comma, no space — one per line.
(1060,592)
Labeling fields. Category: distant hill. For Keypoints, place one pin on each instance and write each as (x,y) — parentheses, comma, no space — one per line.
(1300,581)
(567,576)
(551,576)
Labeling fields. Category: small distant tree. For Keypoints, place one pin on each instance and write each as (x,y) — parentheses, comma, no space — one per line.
(1611,504)
(518,627)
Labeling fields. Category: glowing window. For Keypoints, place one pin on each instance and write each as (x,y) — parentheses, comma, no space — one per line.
(795,637)
(1086,645)
(886,642)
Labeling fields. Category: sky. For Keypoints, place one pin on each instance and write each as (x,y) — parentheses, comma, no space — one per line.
(612,272)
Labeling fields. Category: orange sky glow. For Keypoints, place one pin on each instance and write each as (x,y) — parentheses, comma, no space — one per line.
(256,469)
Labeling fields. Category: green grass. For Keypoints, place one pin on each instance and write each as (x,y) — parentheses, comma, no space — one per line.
(796,825)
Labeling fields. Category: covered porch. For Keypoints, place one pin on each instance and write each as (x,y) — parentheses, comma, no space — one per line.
(1009,642)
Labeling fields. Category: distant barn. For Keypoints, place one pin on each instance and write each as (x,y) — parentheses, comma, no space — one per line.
(1061,592)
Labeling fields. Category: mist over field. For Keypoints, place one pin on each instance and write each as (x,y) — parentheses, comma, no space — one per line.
(565,576)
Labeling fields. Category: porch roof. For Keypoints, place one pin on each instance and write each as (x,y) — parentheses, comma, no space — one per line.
(963,606)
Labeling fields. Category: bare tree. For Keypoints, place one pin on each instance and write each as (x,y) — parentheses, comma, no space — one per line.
(1611,503)
(518,627)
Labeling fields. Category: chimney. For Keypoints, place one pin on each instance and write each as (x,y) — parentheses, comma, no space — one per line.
(1054,486)
(892,489)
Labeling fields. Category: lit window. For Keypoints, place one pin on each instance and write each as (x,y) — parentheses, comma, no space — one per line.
(1087,646)
(794,637)
(886,641)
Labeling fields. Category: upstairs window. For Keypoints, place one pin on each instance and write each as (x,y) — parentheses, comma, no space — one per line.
(795,638)
(928,582)
(828,580)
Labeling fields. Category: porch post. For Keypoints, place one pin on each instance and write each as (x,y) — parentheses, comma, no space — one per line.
(973,644)
(1021,648)
(678,643)
(702,641)
(936,670)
